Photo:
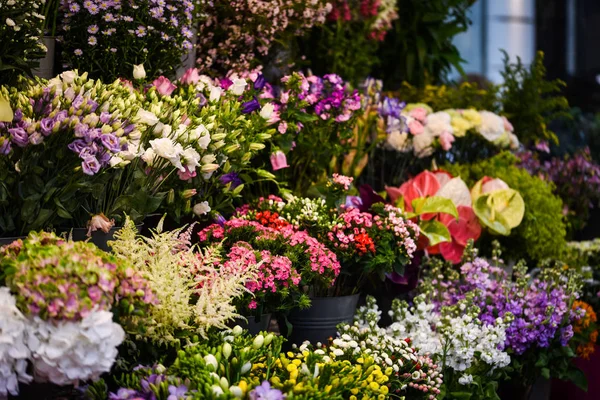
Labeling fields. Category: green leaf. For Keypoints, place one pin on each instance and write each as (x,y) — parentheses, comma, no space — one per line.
(545,372)
(578,378)
(460,395)
(435,231)
(434,204)
(489,217)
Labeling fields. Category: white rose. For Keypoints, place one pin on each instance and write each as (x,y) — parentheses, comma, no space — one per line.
(215,93)
(201,209)
(238,87)
(192,158)
(491,126)
(146,117)
(68,76)
(267,111)
(437,123)
(422,145)
(139,72)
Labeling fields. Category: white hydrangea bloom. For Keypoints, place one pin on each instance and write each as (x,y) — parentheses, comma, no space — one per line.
(13,351)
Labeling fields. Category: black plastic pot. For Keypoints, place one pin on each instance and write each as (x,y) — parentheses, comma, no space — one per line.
(254,325)
(319,322)
(99,238)
(9,240)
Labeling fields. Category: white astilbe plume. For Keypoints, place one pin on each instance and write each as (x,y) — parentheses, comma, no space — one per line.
(179,273)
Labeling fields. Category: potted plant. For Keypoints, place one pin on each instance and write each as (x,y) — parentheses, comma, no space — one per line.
(50,12)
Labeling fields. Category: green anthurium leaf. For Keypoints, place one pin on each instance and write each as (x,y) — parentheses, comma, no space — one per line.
(510,204)
(435,231)
(6,112)
(434,204)
(489,217)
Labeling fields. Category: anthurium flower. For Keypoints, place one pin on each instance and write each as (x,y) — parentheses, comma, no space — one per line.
(423,185)
(497,206)
(461,230)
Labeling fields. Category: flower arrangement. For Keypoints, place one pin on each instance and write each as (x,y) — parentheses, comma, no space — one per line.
(291,260)
(194,293)
(59,297)
(347,44)
(450,215)
(236,35)
(585,330)
(21,25)
(106,39)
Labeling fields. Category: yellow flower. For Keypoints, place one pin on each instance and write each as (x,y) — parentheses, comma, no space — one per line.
(291,367)
(242,385)
(354,390)
(384,389)
(460,125)
(472,116)
(374,385)
(353,397)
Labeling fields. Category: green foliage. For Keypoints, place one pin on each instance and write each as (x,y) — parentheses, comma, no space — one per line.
(419,49)
(542,232)
(530,101)
(465,95)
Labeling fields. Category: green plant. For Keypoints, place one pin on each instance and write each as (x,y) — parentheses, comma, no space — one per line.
(419,49)
(51,17)
(463,96)
(542,232)
(530,101)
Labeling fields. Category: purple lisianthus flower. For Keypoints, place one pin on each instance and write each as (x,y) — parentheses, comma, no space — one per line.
(129,128)
(19,136)
(90,165)
(225,83)
(250,106)
(265,392)
(92,105)
(77,102)
(231,177)
(177,392)
(105,117)
(110,142)
(92,134)
(260,82)
(46,125)
(18,115)
(61,116)
(203,100)
(125,394)
(81,130)
(77,146)
(4,146)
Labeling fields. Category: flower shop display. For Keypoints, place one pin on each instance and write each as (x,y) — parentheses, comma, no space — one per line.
(107,38)
(348,42)
(59,299)
(21,46)
(238,35)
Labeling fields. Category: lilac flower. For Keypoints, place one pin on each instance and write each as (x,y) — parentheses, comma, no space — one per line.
(250,106)
(265,392)
(232,178)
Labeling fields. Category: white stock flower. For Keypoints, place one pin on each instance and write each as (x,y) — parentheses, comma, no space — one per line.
(491,126)
(238,87)
(146,117)
(202,208)
(68,352)
(13,351)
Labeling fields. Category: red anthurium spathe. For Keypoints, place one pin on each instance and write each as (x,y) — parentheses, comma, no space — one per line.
(423,185)
(466,227)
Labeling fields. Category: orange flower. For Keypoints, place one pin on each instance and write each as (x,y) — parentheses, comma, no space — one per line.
(587,319)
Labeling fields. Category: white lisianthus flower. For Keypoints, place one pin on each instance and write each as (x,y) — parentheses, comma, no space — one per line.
(165,148)
(146,117)
(192,158)
(491,126)
(139,72)
(13,350)
(148,156)
(267,111)
(116,161)
(68,352)
(238,87)
(201,208)
(68,76)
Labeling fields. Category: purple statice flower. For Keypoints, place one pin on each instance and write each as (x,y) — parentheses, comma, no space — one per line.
(110,142)
(250,106)
(265,392)
(260,82)
(232,178)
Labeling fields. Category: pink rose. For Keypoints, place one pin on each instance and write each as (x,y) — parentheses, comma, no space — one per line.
(190,77)
(418,113)
(164,86)
(415,127)
(278,160)
(446,140)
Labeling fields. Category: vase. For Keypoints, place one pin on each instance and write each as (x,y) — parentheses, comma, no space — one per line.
(319,322)
(99,238)
(9,240)
(46,68)
(540,390)
(253,324)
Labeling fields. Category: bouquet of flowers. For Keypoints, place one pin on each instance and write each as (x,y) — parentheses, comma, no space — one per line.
(450,215)
(347,44)
(21,47)
(236,35)
(289,261)
(58,299)
(107,38)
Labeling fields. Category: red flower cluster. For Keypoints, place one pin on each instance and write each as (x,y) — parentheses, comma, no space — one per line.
(364,244)
(270,219)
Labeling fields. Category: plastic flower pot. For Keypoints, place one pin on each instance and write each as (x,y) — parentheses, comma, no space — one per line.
(254,325)
(99,238)
(9,240)
(318,323)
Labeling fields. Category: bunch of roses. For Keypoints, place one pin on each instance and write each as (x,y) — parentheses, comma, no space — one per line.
(59,294)
(417,128)
(235,35)
(21,24)
(312,261)
(379,14)
(118,34)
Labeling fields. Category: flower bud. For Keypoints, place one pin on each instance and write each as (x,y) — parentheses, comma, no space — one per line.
(188,193)
(258,341)
(226,350)
(237,330)
(211,361)
(171,197)
(224,383)
(256,146)
(246,367)
(268,339)
(236,391)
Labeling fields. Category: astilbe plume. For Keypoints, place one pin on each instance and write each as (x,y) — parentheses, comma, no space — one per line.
(179,273)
